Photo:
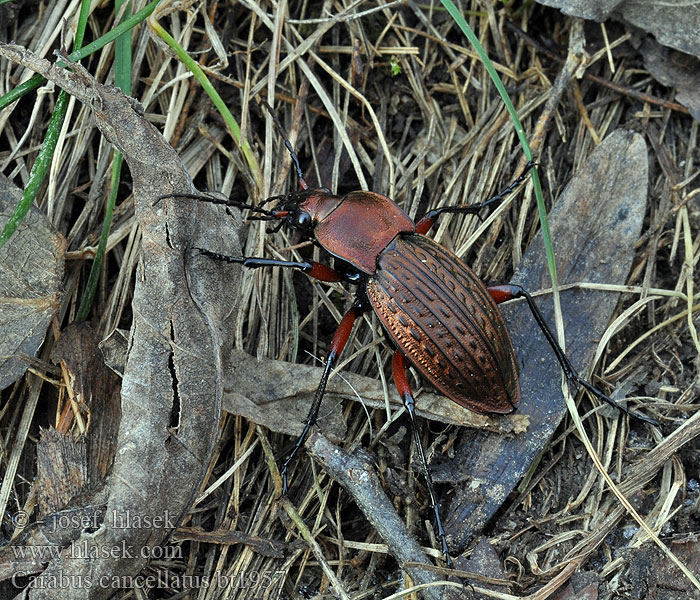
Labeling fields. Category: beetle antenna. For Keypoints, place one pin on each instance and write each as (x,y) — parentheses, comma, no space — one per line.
(295,159)
(268,214)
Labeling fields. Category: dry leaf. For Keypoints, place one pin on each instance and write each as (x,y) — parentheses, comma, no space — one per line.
(673,25)
(31,275)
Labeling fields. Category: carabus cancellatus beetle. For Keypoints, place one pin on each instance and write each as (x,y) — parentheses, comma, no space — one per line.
(439,316)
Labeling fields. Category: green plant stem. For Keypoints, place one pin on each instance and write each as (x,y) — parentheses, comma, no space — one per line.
(201,77)
(122,78)
(48,147)
(541,208)
(101,42)
(94,277)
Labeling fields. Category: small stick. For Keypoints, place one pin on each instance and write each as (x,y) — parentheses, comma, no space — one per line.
(359,478)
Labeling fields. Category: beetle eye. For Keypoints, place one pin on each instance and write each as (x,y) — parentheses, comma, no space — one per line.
(303,220)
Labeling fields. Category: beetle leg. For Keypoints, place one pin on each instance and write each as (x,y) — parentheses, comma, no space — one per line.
(339,340)
(398,366)
(427,221)
(313,269)
(502,293)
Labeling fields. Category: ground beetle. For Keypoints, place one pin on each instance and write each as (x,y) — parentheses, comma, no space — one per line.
(436,312)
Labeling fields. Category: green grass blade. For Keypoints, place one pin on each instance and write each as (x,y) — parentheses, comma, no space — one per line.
(122,78)
(101,42)
(94,277)
(43,159)
(39,170)
(82,25)
(541,208)
(200,76)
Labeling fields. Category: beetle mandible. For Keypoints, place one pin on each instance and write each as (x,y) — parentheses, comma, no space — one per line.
(439,316)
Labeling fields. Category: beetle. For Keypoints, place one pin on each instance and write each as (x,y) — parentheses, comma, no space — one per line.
(439,316)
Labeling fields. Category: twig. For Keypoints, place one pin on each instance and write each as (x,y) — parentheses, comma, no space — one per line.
(358,477)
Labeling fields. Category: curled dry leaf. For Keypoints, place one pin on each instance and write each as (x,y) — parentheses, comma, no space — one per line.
(173,379)
(647,564)
(94,389)
(277,395)
(70,469)
(675,70)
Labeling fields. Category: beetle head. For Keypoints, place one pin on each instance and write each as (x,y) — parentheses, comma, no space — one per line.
(301,210)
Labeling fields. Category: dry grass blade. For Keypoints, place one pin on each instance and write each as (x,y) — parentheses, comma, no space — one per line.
(387,98)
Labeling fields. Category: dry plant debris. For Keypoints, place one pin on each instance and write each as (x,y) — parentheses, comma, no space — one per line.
(436,133)
(31,273)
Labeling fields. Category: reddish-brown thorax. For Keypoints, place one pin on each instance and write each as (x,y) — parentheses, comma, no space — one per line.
(358,226)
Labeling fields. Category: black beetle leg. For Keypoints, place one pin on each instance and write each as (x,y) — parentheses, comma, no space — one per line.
(312,268)
(424,224)
(223,201)
(502,293)
(399,370)
(340,338)
(323,273)
(300,175)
